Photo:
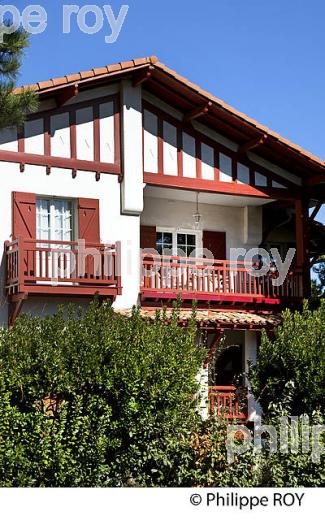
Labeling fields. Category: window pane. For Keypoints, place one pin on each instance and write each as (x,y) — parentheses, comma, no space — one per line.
(43,219)
(167,239)
(54,219)
(181,239)
(190,250)
(159,237)
(191,240)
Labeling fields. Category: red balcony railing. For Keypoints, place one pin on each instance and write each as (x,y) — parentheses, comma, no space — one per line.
(223,280)
(34,266)
(227,402)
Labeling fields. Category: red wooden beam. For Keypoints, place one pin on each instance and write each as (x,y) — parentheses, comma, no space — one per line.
(250,145)
(302,243)
(317,179)
(59,162)
(143,76)
(67,93)
(197,112)
(169,294)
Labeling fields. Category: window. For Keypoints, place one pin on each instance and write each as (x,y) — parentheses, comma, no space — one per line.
(54,219)
(164,244)
(176,243)
(186,243)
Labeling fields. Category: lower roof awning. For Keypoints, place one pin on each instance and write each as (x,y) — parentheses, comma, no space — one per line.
(240,320)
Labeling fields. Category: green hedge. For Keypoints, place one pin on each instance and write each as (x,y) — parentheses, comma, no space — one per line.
(97,399)
(124,394)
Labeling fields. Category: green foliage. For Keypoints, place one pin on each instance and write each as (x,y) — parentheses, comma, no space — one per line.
(318,285)
(291,465)
(125,400)
(13,107)
(93,398)
(290,370)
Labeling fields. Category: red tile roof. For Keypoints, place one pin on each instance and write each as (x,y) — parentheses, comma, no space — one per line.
(237,319)
(92,73)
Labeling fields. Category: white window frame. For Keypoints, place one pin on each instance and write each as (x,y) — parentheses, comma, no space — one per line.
(185,231)
(74,221)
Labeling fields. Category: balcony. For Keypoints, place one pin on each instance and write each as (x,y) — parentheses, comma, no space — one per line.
(61,268)
(227,402)
(215,281)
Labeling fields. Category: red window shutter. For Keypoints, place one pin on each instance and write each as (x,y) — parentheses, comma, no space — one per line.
(23,215)
(88,216)
(148,237)
(215,241)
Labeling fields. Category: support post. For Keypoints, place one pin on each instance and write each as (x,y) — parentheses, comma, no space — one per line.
(302,244)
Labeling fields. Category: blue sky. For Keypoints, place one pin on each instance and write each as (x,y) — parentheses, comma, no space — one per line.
(265,58)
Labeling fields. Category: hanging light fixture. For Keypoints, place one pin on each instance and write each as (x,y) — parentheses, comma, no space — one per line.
(197,215)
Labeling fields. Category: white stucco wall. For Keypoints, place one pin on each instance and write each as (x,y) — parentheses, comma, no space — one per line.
(250,355)
(114,225)
(242,227)
(131,153)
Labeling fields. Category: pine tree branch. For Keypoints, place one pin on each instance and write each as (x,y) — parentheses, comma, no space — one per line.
(13,107)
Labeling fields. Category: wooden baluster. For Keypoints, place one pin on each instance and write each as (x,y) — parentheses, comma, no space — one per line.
(156,275)
(231,406)
(219,405)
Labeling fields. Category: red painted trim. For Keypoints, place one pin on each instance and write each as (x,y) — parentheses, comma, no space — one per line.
(162,294)
(50,290)
(59,162)
(228,188)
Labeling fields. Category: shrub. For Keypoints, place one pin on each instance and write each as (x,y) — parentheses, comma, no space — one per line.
(97,399)
(290,369)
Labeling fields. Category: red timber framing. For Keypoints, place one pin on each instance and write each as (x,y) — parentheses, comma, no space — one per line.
(302,243)
(73,163)
(273,186)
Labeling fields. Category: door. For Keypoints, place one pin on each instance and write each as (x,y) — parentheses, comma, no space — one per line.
(229,366)
(54,222)
(180,244)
